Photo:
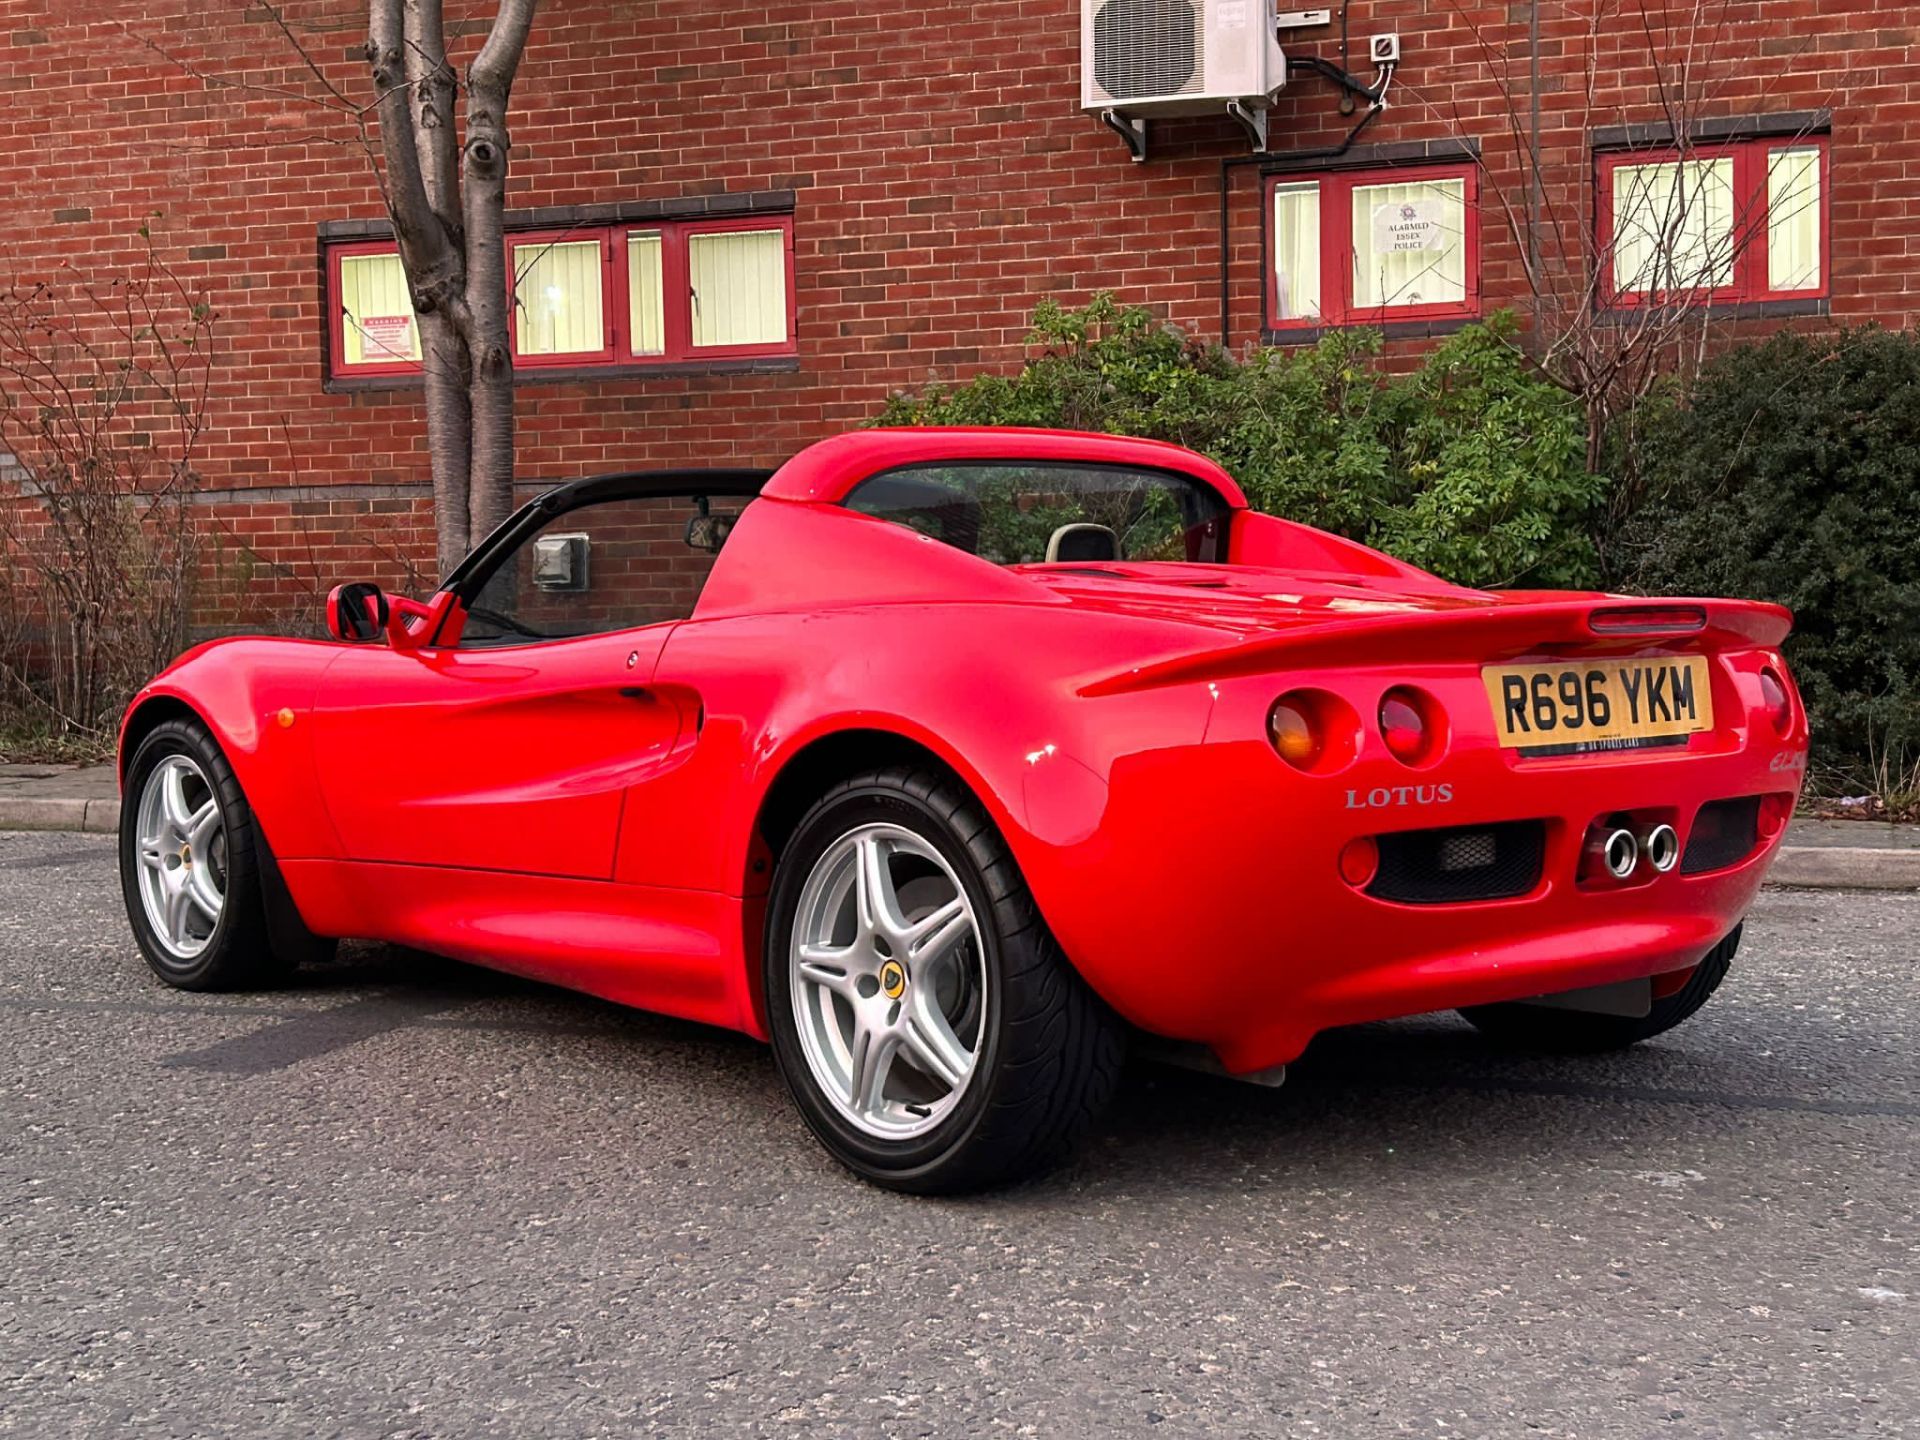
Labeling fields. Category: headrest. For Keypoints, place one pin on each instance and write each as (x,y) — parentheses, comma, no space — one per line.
(1082,542)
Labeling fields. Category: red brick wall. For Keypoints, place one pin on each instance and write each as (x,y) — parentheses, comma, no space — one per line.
(944,178)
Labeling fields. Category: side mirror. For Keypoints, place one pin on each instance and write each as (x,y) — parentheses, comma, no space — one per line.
(357,612)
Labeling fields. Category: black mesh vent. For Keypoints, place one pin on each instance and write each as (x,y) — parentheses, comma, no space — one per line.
(1724,833)
(1466,862)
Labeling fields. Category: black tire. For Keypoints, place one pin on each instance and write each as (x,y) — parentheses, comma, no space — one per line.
(1571,1032)
(1050,1051)
(239,952)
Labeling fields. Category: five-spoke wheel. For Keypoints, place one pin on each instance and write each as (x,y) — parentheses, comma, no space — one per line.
(190,866)
(182,849)
(927,1025)
(888,980)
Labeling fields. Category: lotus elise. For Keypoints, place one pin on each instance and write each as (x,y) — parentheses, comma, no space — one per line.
(947,760)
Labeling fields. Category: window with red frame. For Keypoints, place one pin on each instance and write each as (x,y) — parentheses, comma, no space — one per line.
(1744,221)
(607,296)
(1367,247)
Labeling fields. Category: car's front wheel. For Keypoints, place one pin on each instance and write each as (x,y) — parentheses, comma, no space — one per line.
(929,1028)
(1575,1032)
(190,857)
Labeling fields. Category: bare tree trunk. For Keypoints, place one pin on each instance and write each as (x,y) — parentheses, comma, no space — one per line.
(446,376)
(490,497)
(445,365)
(483,202)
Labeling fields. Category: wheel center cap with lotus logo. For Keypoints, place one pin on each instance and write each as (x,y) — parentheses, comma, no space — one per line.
(893,979)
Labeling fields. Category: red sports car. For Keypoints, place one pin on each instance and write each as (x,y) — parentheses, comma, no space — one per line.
(945,759)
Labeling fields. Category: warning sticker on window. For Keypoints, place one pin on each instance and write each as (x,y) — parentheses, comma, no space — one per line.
(1403,225)
(387,337)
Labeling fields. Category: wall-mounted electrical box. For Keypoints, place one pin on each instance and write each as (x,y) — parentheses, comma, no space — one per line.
(560,562)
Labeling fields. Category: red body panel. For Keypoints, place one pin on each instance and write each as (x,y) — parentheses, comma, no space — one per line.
(587,811)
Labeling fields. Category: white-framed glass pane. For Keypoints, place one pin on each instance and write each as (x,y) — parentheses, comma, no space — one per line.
(739,284)
(646,294)
(1793,219)
(377,326)
(1296,251)
(1410,244)
(556,287)
(1673,225)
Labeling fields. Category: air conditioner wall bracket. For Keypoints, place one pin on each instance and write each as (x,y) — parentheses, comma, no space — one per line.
(1132,130)
(1252,121)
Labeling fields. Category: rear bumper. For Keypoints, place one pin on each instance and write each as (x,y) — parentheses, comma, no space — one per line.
(1207,904)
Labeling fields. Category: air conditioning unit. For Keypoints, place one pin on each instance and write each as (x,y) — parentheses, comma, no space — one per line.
(1141,58)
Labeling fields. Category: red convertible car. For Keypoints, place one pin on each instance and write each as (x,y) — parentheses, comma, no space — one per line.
(946,759)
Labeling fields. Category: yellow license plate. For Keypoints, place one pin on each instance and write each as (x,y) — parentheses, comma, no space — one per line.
(1599,700)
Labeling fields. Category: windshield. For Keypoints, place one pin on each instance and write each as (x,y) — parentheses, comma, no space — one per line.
(1019,513)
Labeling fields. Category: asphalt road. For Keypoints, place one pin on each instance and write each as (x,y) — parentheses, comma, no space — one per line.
(405,1198)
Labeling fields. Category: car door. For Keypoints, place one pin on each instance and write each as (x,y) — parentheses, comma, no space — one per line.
(512,759)
(509,742)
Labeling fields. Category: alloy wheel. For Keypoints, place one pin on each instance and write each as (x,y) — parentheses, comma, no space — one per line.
(888,981)
(181,849)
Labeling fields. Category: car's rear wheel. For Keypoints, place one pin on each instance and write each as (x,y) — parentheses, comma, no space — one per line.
(931,1032)
(190,864)
(1567,1032)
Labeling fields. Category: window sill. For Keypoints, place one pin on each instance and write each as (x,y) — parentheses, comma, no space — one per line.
(1720,309)
(1392,330)
(581,374)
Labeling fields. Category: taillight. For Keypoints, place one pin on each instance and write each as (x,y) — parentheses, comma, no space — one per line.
(1314,730)
(1293,732)
(1412,724)
(1773,694)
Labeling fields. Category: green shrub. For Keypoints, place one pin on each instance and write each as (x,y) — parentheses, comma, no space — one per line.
(1791,472)
(1470,465)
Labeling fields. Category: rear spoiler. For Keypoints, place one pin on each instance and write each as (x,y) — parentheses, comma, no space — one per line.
(1503,630)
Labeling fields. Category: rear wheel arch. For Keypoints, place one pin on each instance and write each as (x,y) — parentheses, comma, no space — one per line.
(824,762)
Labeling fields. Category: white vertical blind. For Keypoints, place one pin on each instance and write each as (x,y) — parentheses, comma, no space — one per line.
(739,285)
(378,327)
(1296,251)
(646,303)
(1793,219)
(1673,225)
(1435,273)
(557,292)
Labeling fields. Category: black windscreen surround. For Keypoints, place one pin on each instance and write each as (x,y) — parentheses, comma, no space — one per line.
(1030,512)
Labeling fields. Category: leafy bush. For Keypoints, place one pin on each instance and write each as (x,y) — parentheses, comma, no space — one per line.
(1791,472)
(1470,465)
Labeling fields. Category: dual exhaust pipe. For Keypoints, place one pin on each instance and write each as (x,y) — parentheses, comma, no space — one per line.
(1621,850)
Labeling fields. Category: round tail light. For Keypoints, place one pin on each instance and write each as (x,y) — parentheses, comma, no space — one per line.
(1773,694)
(1293,732)
(1411,724)
(1314,730)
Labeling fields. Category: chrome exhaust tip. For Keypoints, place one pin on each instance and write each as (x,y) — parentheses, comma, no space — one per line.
(1663,848)
(1621,853)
